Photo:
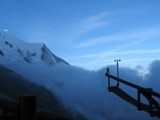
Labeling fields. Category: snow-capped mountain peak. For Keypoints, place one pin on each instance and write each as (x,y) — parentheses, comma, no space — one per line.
(12,49)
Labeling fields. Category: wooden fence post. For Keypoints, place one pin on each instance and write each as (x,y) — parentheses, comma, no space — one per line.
(27,108)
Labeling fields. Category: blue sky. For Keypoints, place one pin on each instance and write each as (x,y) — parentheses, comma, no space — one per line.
(88,33)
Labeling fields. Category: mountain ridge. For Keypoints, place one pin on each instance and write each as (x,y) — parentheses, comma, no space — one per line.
(13,49)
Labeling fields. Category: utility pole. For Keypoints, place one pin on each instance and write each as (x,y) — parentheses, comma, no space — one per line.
(117,61)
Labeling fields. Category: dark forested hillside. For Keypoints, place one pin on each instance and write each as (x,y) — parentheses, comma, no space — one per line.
(13,86)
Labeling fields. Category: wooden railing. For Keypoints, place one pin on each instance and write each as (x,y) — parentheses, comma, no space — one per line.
(153,106)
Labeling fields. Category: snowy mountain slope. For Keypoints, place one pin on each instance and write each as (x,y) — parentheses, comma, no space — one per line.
(14,50)
(79,90)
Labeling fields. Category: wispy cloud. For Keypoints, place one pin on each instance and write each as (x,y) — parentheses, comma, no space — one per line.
(93,22)
(90,23)
(117,52)
(140,34)
(101,59)
(131,52)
